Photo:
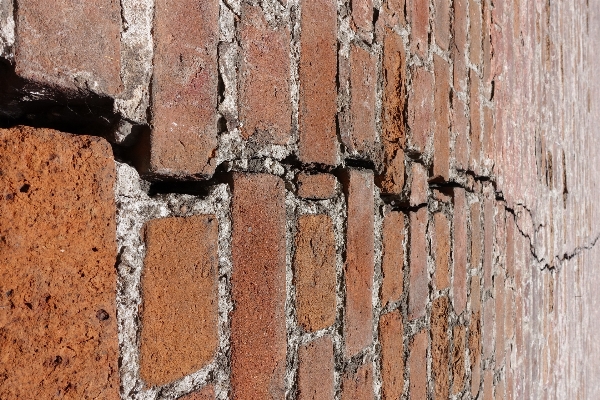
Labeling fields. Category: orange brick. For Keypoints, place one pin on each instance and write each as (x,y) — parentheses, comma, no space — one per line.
(392,264)
(314,266)
(57,255)
(206,393)
(419,278)
(441,249)
(391,336)
(315,369)
(316,186)
(417,364)
(459,222)
(359,385)
(475,352)
(440,347)
(258,330)
(458,359)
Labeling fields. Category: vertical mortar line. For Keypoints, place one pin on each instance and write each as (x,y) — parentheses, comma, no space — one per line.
(407,334)
(344,37)
(290,302)
(377,48)
(295,10)
(431,293)
(8,29)
(376,294)
(339,214)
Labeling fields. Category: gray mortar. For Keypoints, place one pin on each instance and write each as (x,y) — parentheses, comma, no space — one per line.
(379,208)
(135,208)
(7,29)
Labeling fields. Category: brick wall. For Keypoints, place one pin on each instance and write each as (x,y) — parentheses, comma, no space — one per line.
(301,199)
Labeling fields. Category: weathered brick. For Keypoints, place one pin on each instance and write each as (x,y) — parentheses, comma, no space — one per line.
(359,385)
(488,327)
(316,186)
(317,73)
(475,33)
(460,125)
(264,73)
(488,53)
(488,385)
(419,186)
(70,45)
(511,235)
(394,12)
(459,50)
(459,222)
(258,332)
(500,334)
(419,278)
(458,359)
(206,393)
(315,369)
(417,364)
(440,347)
(314,266)
(393,123)
(184,88)
(441,23)
(391,337)
(475,352)
(441,137)
(360,258)
(474,108)
(180,307)
(58,331)
(475,295)
(392,263)
(488,237)
(362,14)
(363,79)
(418,15)
(420,108)
(489,133)
(441,250)
(476,236)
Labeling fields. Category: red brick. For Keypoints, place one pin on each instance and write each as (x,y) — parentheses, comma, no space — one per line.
(441,23)
(475,33)
(418,15)
(393,123)
(264,97)
(359,385)
(510,246)
(184,88)
(58,334)
(475,295)
(258,330)
(206,393)
(417,364)
(420,108)
(488,133)
(460,127)
(441,137)
(70,45)
(487,48)
(318,90)
(499,299)
(488,327)
(488,385)
(314,266)
(360,258)
(316,186)
(362,14)
(418,185)
(474,107)
(315,370)
(441,249)
(363,77)
(393,12)
(476,235)
(460,44)
(180,306)
(458,359)
(440,347)
(459,222)
(391,337)
(475,352)
(419,278)
(392,264)
(488,238)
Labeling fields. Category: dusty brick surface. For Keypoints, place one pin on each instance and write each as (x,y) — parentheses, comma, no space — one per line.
(265,111)
(206,393)
(392,263)
(421,107)
(441,23)
(418,185)
(258,338)
(476,235)
(317,70)
(58,331)
(70,45)
(419,278)
(475,33)
(362,14)
(459,223)
(440,347)
(441,137)
(360,257)
(391,336)
(358,385)
(315,369)
(459,50)
(316,186)
(458,359)
(418,15)
(362,105)
(314,266)
(184,88)
(179,292)
(417,364)
(441,251)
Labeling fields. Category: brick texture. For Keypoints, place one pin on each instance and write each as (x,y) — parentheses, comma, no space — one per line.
(419,278)
(58,330)
(358,385)
(315,371)
(316,186)
(392,264)
(417,364)
(391,336)
(206,393)
(180,293)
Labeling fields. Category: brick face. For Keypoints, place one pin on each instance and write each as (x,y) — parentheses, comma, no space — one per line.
(360,260)
(314,266)
(419,279)
(440,347)
(417,364)
(418,14)
(71,45)
(190,307)
(318,69)
(391,336)
(358,385)
(184,88)
(441,251)
(392,264)
(316,186)
(58,330)
(420,107)
(265,112)
(459,222)
(315,371)
(258,335)
(441,138)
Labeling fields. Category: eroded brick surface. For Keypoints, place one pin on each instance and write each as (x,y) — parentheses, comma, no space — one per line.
(316,186)
(315,371)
